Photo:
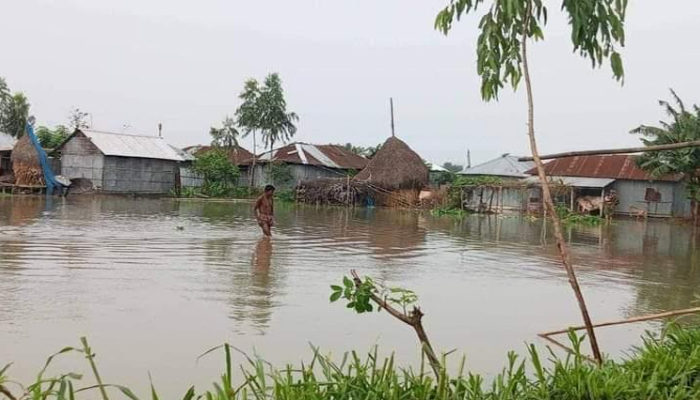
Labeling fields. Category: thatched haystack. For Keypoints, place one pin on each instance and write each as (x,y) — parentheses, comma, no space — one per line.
(396,174)
(395,166)
(25,163)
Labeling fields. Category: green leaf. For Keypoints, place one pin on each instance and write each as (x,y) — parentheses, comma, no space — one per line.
(190,394)
(616,64)
(336,288)
(347,282)
(351,304)
(335,296)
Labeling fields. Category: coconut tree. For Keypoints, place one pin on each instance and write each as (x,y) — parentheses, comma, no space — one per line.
(276,123)
(15,112)
(226,136)
(684,126)
(248,116)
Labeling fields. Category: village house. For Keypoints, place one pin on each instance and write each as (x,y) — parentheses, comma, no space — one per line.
(501,188)
(120,163)
(238,156)
(635,189)
(7,143)
(293,163)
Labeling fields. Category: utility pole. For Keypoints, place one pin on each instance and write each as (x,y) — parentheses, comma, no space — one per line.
(160,130)
(391,106)
(469,159)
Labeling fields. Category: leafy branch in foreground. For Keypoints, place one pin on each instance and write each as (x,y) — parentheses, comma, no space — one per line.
(597,29)
(361,294)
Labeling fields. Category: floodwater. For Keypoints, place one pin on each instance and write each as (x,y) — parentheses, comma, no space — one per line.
(155,283)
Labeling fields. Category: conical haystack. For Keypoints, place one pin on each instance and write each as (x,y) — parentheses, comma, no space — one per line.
(25,163)
(395,166)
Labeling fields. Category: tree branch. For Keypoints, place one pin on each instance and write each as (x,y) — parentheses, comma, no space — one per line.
(7,393)
(413,319)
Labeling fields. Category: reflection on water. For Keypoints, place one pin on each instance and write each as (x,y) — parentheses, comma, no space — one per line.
(154,283)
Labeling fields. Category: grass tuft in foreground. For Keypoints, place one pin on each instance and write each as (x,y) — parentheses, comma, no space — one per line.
(660,369)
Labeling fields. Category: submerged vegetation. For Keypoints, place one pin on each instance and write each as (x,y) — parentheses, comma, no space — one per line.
(448,212)
(665,368)
(569,217)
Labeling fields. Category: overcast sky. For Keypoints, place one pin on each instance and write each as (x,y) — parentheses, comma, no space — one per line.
(135,63)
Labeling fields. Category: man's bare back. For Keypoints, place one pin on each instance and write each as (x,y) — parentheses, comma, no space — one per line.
(265,210)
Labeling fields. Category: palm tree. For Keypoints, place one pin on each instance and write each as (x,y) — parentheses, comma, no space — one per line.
(684,127)
(15,114)
(276,123)
(248,116)
(226,136)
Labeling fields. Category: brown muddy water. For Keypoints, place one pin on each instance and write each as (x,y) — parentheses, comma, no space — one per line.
(151,296)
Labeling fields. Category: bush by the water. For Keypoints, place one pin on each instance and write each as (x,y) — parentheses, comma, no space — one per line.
(661,369)
(218,171)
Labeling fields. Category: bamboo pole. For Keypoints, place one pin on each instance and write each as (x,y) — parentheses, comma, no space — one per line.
(661,147)
(547,196)
(642,318)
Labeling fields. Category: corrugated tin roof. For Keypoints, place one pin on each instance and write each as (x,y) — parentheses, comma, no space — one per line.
(611,166)
(238,155)
(505,165)
(121,145)
(184,154)
(573,181)
(435,167)
(7,142)
(330,156)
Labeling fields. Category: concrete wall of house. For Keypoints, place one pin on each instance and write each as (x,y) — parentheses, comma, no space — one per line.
(299,172)
(631,194)
(138,175)
(81,159)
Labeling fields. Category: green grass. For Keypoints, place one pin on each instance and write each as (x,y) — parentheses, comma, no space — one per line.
(661,369)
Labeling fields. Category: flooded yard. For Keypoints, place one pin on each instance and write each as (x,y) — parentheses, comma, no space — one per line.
(155,283)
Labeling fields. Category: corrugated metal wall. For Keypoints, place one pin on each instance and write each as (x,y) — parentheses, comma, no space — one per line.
(189,178)
(138,175)
(631,194)
(300,173)
(511,199)
(81,159)
(682,207)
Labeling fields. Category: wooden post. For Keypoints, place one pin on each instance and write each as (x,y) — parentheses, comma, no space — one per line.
(602,206)
(391,106)
(572,199)
(347,196)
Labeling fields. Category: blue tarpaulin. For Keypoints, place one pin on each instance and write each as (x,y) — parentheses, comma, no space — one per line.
(49,177)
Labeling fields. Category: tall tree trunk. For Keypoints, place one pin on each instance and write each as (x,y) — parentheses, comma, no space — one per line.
(549,203)
(252,169)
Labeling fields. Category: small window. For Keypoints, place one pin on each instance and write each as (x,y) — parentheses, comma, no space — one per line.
(652,195)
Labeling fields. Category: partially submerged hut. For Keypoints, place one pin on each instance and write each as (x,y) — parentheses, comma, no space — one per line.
(7,143)
(238,155)
(395,175)
(304,162)
(120,163)
(25,163)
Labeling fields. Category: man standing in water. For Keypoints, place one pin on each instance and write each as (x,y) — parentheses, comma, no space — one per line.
(265,210)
